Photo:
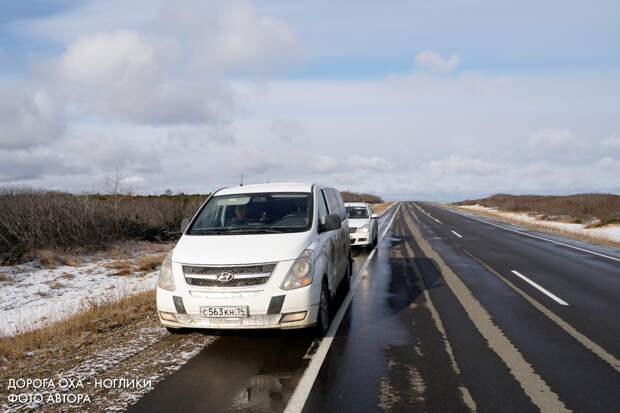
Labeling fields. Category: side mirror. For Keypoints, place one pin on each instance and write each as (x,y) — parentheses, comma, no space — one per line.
(332,222)
(184,224)
(375,216)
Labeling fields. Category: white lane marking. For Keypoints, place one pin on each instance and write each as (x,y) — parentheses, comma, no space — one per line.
(536,236)
(302,391)
(390,223)
(457,234)
(523,277)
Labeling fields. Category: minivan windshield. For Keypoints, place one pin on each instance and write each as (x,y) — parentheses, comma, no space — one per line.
(260,213)
(357,212)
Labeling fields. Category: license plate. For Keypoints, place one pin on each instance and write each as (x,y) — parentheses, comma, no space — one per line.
(224,312)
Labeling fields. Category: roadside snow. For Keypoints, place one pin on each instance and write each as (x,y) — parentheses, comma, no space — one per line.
(610,232)
(34,297)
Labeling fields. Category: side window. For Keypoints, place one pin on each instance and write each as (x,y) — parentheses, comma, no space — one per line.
(322,207)
(332,202)
(343,210)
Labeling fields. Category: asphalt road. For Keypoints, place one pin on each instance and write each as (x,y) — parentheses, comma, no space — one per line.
(450,313)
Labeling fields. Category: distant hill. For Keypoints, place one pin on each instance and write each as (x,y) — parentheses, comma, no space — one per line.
(355,197)
(578,208)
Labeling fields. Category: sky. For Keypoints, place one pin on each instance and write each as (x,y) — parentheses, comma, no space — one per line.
(434,100)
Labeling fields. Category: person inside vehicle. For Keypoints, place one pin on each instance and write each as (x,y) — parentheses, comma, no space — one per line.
(240,217)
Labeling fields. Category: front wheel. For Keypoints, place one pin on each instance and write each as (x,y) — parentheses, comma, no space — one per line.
(322,321)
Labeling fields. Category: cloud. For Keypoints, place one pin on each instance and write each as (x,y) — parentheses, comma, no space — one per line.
(608,163)
(612,142)
(434,61)
(324,164)
(20,164)
(373,162)
(456,164)
(287,130)
(551,139)
(107,152)
(230,35)
(130,76)
(27,118)
(132,180)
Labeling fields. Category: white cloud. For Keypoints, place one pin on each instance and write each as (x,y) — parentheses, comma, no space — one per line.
(130,76)
(612,142)
(27,118)
(456,164)
(287,130)
(132,180)
(373,162)
(434,61)
(323,164)
(551,138)
(607,163)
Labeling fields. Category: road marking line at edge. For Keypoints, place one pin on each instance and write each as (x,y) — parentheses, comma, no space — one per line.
(523,277)
(298,400)
(531,235)
(457,234)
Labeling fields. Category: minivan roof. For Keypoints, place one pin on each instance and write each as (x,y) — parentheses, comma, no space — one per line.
(355,204)
(270,187)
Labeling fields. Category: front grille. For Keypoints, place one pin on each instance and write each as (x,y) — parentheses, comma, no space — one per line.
(243,282)
(243,275)
(234,270)
(352,230)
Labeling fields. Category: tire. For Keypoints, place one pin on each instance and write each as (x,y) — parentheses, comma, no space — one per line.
(322,321)
(349,274)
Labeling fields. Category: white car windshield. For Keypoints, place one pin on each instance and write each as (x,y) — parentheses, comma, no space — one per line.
(357,212)
(254,214)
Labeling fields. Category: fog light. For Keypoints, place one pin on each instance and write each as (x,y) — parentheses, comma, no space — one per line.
(289,318)
(168,316)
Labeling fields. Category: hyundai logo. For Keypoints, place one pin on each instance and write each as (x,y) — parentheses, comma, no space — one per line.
(225,277)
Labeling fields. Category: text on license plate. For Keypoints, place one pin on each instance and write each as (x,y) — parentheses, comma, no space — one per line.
(224,311)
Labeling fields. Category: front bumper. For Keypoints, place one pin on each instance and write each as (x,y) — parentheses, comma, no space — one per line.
(360,238)
(261,311)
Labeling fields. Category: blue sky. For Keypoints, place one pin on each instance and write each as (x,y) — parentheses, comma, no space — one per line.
(410,99)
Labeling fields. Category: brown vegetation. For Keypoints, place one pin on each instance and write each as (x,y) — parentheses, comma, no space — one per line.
(32,219)
(149,263)
(597,209)
(79,329)
(355,197)
(382,207)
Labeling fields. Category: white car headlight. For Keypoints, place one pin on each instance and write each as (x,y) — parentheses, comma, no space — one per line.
(301,271)
(363,228)
(166,280)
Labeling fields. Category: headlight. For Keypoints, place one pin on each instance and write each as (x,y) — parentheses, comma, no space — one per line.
(166,280)
(363,228)
(301,272)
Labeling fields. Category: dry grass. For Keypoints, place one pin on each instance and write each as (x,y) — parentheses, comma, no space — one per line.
(56,285)
(150,264)
(80,329)
(382,207)
(52,258)
(592,209)
(68,275)
(5,277)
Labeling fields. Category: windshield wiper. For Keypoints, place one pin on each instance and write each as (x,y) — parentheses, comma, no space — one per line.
(251,230)
(198,231)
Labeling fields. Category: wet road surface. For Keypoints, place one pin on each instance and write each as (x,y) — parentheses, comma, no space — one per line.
(438,323)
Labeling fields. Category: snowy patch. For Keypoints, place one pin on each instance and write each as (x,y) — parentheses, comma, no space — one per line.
(35,297)
(609,232)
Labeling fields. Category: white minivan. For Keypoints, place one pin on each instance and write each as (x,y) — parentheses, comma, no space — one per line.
(258,256)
